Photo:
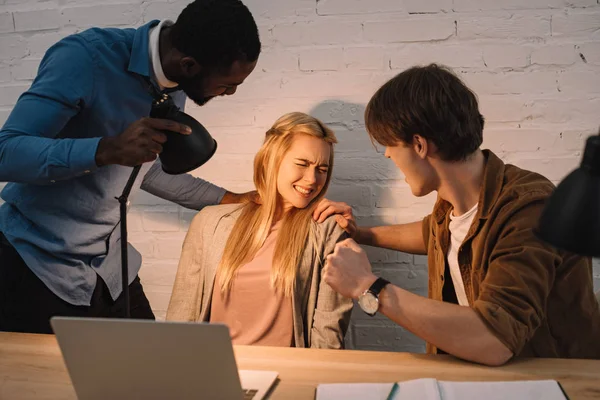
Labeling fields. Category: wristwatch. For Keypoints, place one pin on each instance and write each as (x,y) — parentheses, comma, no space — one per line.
(369,300)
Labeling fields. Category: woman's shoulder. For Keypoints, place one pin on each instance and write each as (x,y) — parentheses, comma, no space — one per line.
(210,216)
(330,230)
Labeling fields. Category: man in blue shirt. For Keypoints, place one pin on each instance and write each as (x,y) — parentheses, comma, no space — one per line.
(71,141)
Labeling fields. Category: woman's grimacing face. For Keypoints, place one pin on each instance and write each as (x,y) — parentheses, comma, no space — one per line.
(303,171)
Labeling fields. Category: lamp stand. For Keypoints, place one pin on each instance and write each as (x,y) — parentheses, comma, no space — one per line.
(123,211)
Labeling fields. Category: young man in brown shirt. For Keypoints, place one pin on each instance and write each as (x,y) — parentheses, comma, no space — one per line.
(495,290)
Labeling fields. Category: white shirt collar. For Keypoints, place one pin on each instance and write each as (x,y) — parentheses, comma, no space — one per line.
(154,52)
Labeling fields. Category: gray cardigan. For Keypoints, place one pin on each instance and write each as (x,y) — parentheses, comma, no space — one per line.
(320,315)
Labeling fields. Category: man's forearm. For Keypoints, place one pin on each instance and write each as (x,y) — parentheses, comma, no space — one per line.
(44,161)
(407,238)
(185,189)
(455,329)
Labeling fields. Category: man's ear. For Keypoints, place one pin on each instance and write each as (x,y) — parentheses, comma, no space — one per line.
(189,67)
(421,146)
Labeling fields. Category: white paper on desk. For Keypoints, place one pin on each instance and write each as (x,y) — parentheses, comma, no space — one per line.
(432,389)
(354,391)
(529,390)
(426,389)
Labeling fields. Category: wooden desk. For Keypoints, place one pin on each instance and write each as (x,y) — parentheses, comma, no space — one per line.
(31,367)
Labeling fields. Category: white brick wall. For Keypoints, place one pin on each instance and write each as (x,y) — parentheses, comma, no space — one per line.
(535,65)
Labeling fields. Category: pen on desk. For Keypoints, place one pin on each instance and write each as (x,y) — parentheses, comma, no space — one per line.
(393,391)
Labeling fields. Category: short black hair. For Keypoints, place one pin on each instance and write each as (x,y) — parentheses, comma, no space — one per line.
(216,33)
(430,101)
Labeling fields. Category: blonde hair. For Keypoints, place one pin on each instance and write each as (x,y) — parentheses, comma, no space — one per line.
(254,223)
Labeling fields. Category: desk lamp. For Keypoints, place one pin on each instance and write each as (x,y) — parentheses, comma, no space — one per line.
(181,154)
(571,217)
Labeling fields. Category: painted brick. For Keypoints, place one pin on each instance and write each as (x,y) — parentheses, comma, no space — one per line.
(5,73)
(554,169)
(326,59)
(25,69)
(6,22)
(162,10)
(427,7)
(261,9)
(161,219)
(492,5)
(416,29)
(218,112)
(365,168)
(238,140)
(340,113)
(366,58)
(321,32)
(563,54)
(268,111)
(10,94)
(589,53)
(356,195)
(450,55)
(142,243)
(583,82)
(37,20)
(134,219)
(512,82)
(277,61)
(159,272)
(158,296)
(38,44)
(329,84)
(506,56)
(226,167)
(572,111)
(354,141)
(390,338)
(168,245)
(398,197)
(474,26)
(337,7)
(520,140)
(576,23)
(503,108)
(105,15)
(3,117)
(12,47)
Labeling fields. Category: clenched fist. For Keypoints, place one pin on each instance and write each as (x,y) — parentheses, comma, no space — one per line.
(348,270)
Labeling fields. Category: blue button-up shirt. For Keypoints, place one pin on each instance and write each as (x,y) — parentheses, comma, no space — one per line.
(60,211)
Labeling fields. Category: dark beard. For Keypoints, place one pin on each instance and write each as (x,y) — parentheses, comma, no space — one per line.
(196,96)
(199,100)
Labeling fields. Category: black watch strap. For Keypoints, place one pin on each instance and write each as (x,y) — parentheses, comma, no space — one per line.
(378,285)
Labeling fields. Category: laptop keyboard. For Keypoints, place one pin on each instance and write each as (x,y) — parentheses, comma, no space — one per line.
(249,393)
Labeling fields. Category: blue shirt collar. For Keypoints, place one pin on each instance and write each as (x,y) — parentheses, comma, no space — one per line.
(139,62)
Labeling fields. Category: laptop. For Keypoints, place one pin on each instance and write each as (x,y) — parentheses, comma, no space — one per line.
(145,359)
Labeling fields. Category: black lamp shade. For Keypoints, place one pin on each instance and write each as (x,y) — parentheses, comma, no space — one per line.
(571,217)
(183,153)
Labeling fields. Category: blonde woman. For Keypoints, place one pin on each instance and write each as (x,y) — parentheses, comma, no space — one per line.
(257,267)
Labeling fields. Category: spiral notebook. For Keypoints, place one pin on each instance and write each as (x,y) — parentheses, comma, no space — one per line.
(432,389)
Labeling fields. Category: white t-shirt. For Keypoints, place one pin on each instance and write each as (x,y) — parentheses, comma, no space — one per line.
(459,227)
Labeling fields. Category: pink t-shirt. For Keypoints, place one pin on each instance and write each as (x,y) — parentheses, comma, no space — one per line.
(255,313)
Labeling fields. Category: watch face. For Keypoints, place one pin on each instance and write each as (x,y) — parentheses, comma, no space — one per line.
(368,302)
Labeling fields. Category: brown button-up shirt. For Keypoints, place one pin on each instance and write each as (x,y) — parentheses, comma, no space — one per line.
(539,301)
